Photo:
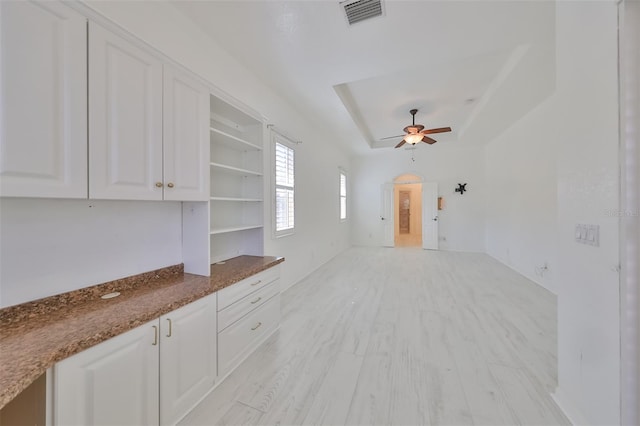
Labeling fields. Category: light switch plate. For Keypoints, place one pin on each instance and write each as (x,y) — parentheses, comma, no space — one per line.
(588,234)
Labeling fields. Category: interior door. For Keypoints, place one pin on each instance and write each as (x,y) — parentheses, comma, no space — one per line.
(430,216)
(386,214)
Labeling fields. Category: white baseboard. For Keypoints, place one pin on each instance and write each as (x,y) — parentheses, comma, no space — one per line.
(454,250)
(527,276)
(570,410)
(311,271)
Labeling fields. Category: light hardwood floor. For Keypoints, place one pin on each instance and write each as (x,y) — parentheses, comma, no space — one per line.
(404,336)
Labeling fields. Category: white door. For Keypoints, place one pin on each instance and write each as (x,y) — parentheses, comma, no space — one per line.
(43,100)
(387,216)
(125,119)
(430,216)
(188,357)
(113,383)
(186,137)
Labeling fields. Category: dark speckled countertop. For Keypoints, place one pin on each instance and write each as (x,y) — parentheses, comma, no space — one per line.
(35,335)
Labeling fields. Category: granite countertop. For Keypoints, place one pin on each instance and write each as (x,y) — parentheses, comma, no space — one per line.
(35,335)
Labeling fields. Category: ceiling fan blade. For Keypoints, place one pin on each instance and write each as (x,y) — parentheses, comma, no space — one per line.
(428,140)
(438,130)
(402,142)
(391,137)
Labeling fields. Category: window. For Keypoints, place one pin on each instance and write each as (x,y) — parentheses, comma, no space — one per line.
(343,195)
(284,188)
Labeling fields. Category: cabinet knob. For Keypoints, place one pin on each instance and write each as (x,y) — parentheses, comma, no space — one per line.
(158,184)
(170,184)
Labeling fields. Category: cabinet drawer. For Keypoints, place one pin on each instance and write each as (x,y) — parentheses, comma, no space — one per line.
(241,289)
(237,310)
(240,339)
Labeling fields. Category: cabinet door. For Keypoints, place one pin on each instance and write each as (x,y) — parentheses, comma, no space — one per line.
(113,383)
(186,137)
(125,119)
(43,100)
(188,357)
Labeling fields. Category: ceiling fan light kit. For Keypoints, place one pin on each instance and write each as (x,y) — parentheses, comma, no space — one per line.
(413,138)
(416,133)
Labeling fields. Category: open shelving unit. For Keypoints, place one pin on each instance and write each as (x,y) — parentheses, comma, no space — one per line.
(231,223)
(235,170)
(236,185)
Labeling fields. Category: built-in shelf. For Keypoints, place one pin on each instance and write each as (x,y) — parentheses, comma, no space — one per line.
(239,199)
(235,141)
(236,198)
(233,229)
(235,170)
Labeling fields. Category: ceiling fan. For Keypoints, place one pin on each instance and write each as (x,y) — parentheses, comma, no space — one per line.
(416,133)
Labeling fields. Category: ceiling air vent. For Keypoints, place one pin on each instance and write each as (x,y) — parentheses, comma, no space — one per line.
(360,10)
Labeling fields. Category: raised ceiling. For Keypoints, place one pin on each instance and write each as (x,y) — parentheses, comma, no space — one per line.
(476,66)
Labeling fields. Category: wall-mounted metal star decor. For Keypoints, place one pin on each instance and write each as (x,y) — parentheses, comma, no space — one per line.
(461,188)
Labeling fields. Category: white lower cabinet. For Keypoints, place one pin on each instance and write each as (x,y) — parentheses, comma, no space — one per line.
(187,358)
(240,339)
(113,383)
(151,375)
(248,312)
(156,373)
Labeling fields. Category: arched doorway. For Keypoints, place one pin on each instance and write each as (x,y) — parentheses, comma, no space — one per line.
(410,212)
(407,211)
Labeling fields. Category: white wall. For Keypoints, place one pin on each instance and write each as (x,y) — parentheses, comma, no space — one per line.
(461,222)
(53,246)
(588,167)
(153,238)
(567,148)
(521,196)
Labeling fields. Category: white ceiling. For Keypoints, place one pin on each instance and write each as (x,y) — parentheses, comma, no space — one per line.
(476,66)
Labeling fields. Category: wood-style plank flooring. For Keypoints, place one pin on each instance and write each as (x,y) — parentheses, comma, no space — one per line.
(404,336)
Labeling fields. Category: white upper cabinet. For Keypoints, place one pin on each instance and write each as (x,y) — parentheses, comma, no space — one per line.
(43,100)
(148,125)
(125,119)
(186,137)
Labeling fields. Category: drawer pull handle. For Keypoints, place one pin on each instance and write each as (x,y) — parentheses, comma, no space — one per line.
(256,283)
(155,335)
(170,327)
(256,327)
(256,301)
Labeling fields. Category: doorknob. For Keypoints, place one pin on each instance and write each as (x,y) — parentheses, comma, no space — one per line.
(435,219)
(382,218)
